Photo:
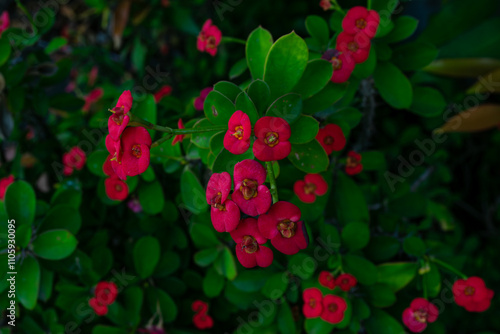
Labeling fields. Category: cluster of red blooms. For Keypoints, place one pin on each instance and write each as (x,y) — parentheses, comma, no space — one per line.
(74,159)
(330,308)
(344,281)
(201,319)
(209,38)
(279,223)
(5,182)
(128,149)
(353,43)
(104,295)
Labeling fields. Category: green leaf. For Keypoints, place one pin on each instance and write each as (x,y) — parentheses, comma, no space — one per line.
(146,254)
(414,246)
(193,194)
(414,56)
(138,55)
(296,266)
(288,107)
(168,308)
(27,282)
(146,109)
(259,43)
(316,76)
(364,271)
(55,44)
(325,98)
(382,248)
(218,108)
(286,323)
(380,295)
(432,280)
(381,322)
(203,236)
(20,202)
(373,160)
(95,161)
(205,257)
(5,50)
(349,201)
(23,235)
(213,283)
(54,244)
(404,27)
(318,29)
(366,68)
(228,89)
(245,104)
(101,329)
(356,235)
(427,102)
(225,161)
(225,264)
(396,275)
(309,157)
(66,102)
(393,85)
(46,284)
(350,116)
(169,263)
(410,205)
(318,326)
(151,197)
(238,69)
(62,216)
(71,197)
(202,139)
(304,130)
(285,63)
(260,93)
(275,286)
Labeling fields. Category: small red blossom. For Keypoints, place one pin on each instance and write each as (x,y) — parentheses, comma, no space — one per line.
(250,194)
(272,139)
(353,164)
(419,314)
(346,282)
(203,321)
(151,330)
(162,92)
(325,4)
(199,306)
(472,294)
(333,309)
(224,213)
(179,138)
(114,159)
(249,241)
(92,98)
(313,306)
(106,292)
(94,71)
(4,21)
(342,63)
(331,138)
(5,182)
(118,121)
(200,100)
(357,46)
(313,185)
(282,225)
(135,143)
(99,309)
(74,159)
(116,189)
(209,38)
(326,279)
(237,137)
(134,205)
(360,19)
(218,188)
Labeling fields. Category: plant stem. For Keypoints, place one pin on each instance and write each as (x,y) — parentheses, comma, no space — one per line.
(160,141)
(337,6)
(424,285)
(272,181)
(449,267)
(232,40)
(369,4)
(28,15)
(136,121)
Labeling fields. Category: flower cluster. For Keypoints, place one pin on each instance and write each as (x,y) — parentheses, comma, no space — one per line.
(104,295)
(330,308)
(279,223)
(201,319)
(128,149)
(353,44)
(4,184)
(313,185)
(472,294)
(344,281)
(74,159)
(209,38)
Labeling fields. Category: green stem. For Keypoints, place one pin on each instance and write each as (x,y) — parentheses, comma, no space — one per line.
(136,121)
(369,4)
(30,18)
(160,141)
(272,181)
(337,6)
(449,267)
(232,40)
(424,286)
(336,271)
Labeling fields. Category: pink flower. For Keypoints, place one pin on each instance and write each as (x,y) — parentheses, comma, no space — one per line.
(272,139)
(200,100)
(135,143)
(93,76)
(357,46)
(74,159)
(313,306)
(118,121)
(4,184)
(209,38)
(331,138)
(237,138)
(4,21)
(116,189)
(249,241)
(333,309)
(179,138)
(92,98)
(162,92)
(326,279)
(346,282)
(224,213)
(325,4)
(419,314)
(360,19)
(342,63)
(313,185)
(115,159)
(353,164)
(134,205)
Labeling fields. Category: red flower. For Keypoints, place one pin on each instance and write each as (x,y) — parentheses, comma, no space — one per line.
(98,308)
(225,213)
(283,227)
(106,292)
(313,306)
(237,138)
(118,121)
(326,279)
(151,330)
(74,159)
(346,282)
(313,185)
(252,197)
(135,143)
(203,321)
(361,19)
(116,189)
(325,4)
(200,100)
(179,138)
(4,21)
(199,306)
(272,139)
(94,71)
(419,314)
(353,164)
(249,241)
(114,158)
(4,184)
(343,65)
(209,38)
(162,92)
(331,138)
(333,309)
(472,294)
(92,98)
(358,46)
